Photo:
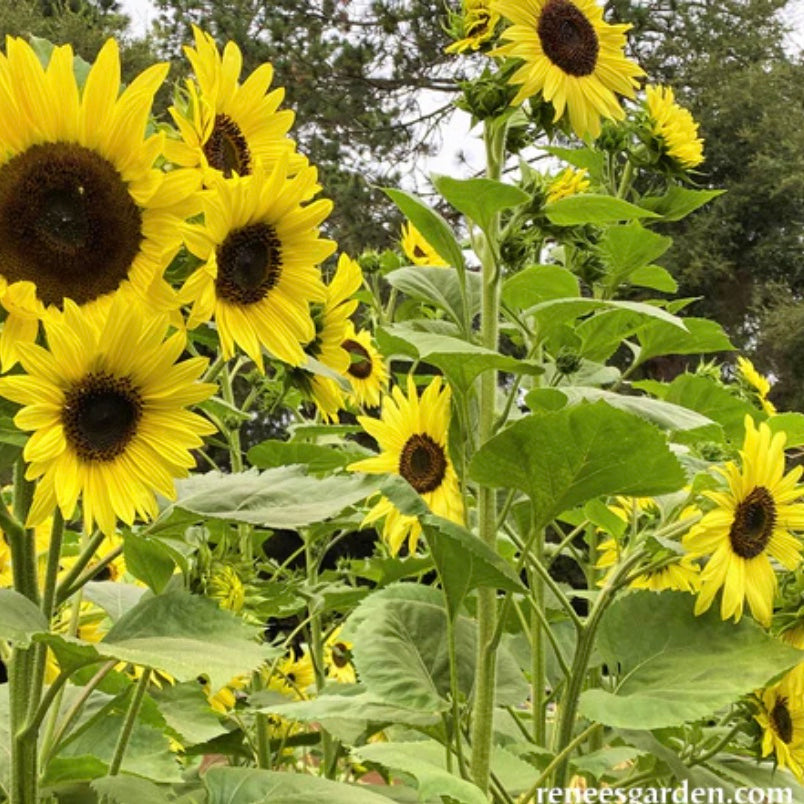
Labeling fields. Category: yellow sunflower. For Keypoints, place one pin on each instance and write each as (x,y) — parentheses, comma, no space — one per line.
(260,248)
(568,182)
(412,434)
(366,371)
(83,213)
(758,382)
(750,524)
(224,699)
(338,659)
(106,407)
(681,574)
(781,716)
(331,326)
(572,56)
(417,249)
(226,588)
(293,677)
(227,126)
(475,26)
(673,126)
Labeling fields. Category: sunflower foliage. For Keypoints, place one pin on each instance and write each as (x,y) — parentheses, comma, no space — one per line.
(497,541)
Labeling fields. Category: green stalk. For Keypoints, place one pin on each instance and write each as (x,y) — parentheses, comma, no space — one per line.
(538,653)
(128,724)
(483,710)
(454,692)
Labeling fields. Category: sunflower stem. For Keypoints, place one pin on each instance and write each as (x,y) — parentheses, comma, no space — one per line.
(626,179)
(483,709)
(454,691)
(128,723)
(538,669)
(88,549)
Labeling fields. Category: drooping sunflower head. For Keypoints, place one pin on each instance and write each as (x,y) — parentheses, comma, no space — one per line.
(571,56)
(757,382)
(568,182)
(474,27)
(781,716)
(228,127)
(261,249)
(366,371)
(412,436)
(338,659)
(83,212)
(673,127)
(752,521)
(106,411)
(417,249)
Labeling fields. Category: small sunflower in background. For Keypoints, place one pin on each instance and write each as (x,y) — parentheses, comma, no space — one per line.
(106,408)
(366,371)
(261,248)
(474,27)
(228,126)
(83,213)
(680,572)
(412,436)
(673,127)
(338,659)
(750,524)
(571,56)
(417,249)
(225,587)
(757,382)
(567,183)
(293,676)
(781,716)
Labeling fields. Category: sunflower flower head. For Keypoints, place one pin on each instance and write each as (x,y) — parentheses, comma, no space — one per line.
(84,214)
(474,27)
(338,659)
(412,436)
(293,676)
(226,588)
(417,249)
(752,522)
(673,127)
(366,370)
(570,56)
(781,716)
(106,411)
(568,182)
(757,382)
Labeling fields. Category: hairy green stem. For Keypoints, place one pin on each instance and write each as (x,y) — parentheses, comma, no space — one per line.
(538,654)
(454,691)
(66,586)
(132,713)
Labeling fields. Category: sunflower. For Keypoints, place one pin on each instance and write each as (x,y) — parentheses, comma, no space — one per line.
(417,249)
(412,434)
(475,26)
(568,182)
(226,588)
(750,524)
(366,371)
(83,213)
(292,676)
(758,382)
(781,716)
(225,125)
(572,56)
(338,659)
(260,248)
(674,128)
(106,407)
(331,327)
(681,573)
(224,699)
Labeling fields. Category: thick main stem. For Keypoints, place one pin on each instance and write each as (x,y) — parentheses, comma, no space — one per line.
(483,710)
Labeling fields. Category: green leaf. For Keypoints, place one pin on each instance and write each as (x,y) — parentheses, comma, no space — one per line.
(318,458)
(791,424)
(588,158)
(596,209)
(186,636)
(701,336)
(125,789)
(284,497)
(20,619)
(148,561)
(186,710)
(654,277)
(460,360)
(253,786)
(682,667)
(479,199)
(439,286)
(113,597)
(436,231)
(537,284)
(424,761)
(664,414)
(630,246)
(565,458)
(602,762)
(465,562)
(399,635)
(678,202)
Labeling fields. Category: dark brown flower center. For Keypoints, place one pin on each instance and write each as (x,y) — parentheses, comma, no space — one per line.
(479,25)
(100,416)
(781,721)
(753,523)
(249,264)
(568,38)
(67,223)
(360,365)
(423,463)
(340,654)
(227,149)
(419,252)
